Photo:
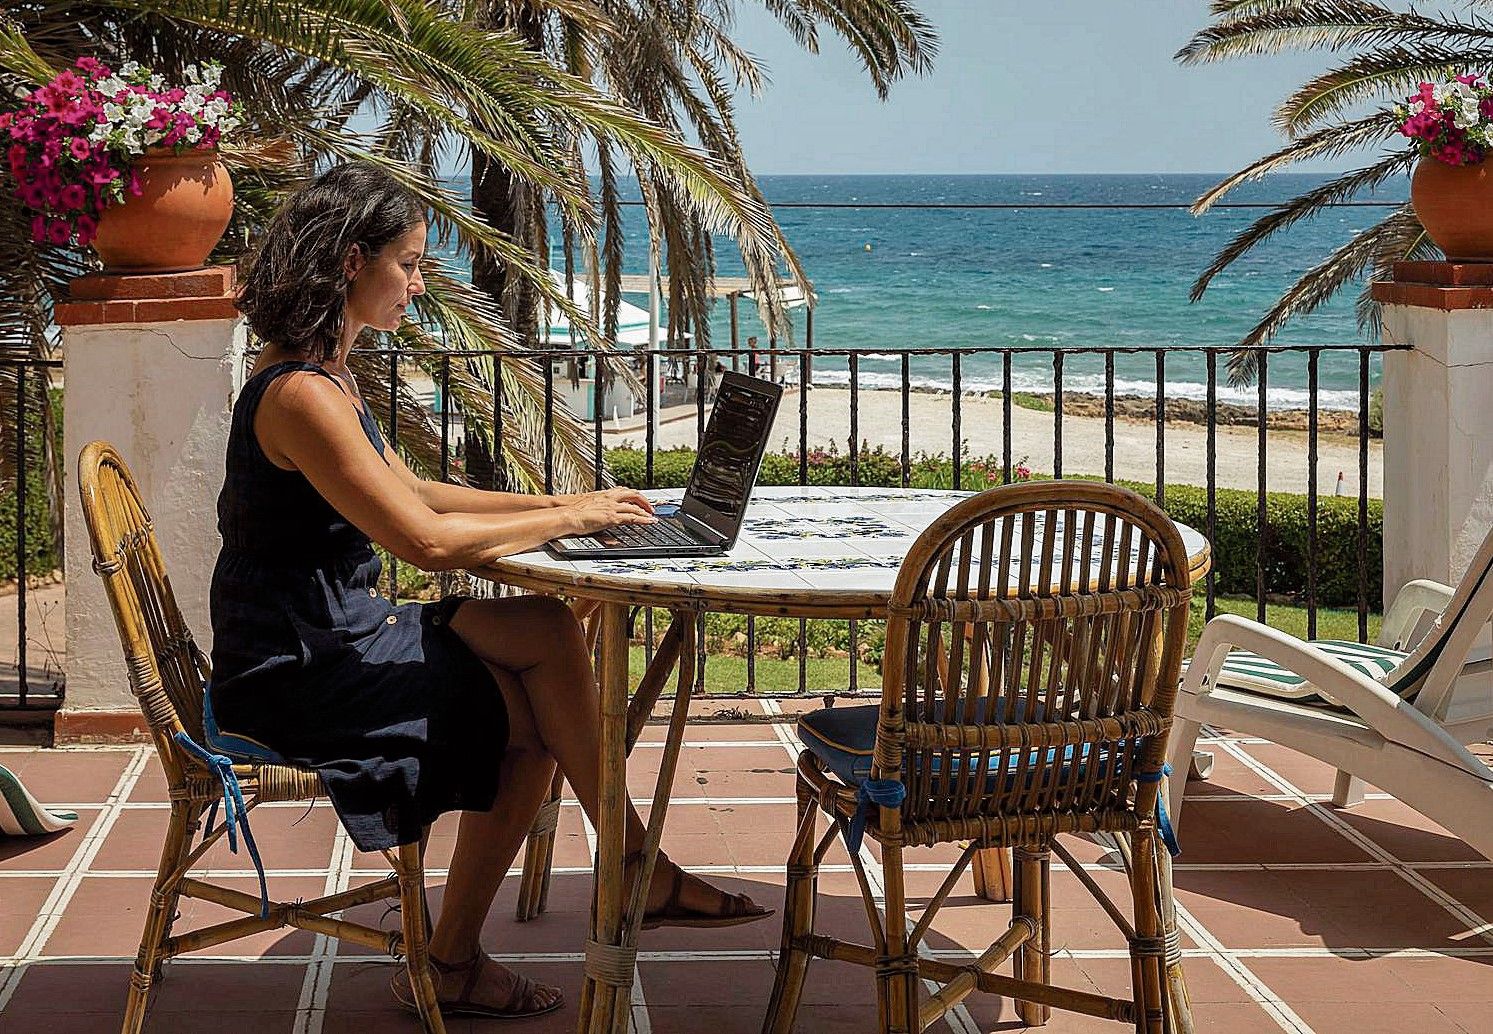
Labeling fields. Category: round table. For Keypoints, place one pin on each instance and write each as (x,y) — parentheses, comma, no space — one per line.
(803,552)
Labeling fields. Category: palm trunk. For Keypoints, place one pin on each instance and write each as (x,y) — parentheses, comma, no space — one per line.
(507,205)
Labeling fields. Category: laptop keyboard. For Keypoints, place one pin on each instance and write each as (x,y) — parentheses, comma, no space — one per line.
(665,533)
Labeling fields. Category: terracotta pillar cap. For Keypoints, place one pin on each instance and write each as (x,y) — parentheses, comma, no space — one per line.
(1438,285)
(112,298)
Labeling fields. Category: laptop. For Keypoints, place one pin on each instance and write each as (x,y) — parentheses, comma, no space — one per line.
(708,520)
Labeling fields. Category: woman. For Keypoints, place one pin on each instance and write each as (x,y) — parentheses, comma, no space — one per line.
(414,710)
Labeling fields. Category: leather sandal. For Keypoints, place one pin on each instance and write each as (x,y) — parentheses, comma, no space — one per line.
(735,909)
(520,1004)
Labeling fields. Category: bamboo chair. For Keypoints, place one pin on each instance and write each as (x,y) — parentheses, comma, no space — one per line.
(168,673)
(1080,592)
(1397,719)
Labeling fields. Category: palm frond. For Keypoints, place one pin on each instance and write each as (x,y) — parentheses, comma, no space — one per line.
(1314,288)
(1330,25)
(1298,208)
(1379,75)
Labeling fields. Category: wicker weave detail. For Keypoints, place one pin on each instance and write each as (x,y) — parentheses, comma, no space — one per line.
(1046,608)
(546,819)
(610,964)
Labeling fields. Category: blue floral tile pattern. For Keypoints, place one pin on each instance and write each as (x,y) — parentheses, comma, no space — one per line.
(795,541)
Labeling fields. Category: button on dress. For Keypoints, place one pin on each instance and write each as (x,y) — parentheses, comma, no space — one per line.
(400,719)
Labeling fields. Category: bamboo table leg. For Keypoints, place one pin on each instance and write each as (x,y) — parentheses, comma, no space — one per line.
(992,869)
(598,996)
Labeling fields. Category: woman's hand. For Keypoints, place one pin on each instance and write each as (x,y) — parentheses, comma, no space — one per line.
(593,511)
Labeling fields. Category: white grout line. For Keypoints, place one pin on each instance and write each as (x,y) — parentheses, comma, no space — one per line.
(1284,1016)
(732,870)
(311,1009)
(705,955)
(1475,923)
(72,877)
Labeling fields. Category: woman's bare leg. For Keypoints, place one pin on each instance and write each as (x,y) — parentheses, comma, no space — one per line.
(537,639)
(488,842)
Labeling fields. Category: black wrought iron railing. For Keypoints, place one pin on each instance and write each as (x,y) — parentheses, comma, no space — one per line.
(31,676)
(1302,550)
(1281,540)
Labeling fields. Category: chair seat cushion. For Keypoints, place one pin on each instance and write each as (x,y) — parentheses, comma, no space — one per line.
(844,738)
(234,746)
(1255,674)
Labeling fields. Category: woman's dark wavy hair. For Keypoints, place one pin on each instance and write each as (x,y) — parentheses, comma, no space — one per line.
(295,289)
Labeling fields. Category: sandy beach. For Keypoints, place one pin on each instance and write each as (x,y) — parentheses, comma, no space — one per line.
(1032,440)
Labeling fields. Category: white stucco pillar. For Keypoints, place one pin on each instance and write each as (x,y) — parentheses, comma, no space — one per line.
(152,364)
(1438,419)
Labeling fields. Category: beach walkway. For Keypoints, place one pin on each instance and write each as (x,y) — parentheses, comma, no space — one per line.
(931,416)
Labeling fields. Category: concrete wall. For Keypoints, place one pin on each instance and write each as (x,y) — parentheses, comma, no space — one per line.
(162,393)
(1438,442)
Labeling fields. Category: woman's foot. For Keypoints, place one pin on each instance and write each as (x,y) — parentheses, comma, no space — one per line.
(481,987)
(678,898)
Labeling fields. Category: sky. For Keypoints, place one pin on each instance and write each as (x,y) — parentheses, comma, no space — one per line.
(1055,86)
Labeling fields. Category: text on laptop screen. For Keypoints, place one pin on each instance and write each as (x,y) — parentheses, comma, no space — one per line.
(722,478)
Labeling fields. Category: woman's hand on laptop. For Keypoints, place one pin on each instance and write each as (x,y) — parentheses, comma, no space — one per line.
(596,510)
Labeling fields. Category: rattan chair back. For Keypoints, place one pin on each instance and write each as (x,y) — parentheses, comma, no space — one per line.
(168,672)
(1033,647)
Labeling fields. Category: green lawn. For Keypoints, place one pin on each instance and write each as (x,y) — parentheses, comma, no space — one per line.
(726,674)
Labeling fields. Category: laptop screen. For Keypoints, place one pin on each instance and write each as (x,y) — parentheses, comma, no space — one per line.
(726,467)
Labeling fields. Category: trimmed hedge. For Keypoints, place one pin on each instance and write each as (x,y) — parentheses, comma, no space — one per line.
(1281,549)
(41,551)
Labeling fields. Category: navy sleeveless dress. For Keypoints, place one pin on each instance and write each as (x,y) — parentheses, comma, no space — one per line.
(396,714)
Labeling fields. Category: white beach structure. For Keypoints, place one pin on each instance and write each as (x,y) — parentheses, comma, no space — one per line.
(619,398)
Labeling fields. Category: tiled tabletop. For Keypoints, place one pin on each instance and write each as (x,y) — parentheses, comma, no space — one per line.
(1295,916)
(806,541)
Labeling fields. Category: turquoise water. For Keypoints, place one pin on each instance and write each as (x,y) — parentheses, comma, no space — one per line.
(1032,277)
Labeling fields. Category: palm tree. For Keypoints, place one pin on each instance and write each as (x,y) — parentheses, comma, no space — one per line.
(676,64)
(302,70)
(1386,52)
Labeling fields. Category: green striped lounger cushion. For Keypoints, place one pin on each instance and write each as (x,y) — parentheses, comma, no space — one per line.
(22,816)
(1251,672)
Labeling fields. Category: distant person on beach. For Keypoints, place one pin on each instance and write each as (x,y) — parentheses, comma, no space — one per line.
(406,711)
(716,373)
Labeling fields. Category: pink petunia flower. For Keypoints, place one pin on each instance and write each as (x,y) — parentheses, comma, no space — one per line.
(80,148)
(73,196)
(39,229)
(87,230)
(58,231)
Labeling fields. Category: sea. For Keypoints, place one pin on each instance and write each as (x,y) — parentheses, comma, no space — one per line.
(936,274)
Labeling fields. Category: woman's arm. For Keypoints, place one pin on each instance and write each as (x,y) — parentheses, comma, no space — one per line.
(446,498)
(305,423)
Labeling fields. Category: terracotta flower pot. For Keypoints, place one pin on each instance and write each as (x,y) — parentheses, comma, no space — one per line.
(184,206)
(1455,205)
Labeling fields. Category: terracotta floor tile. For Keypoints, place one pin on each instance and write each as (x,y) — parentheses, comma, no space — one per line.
(50,853)
(288,838)
(1470,1017)
(107,915)
(1231,831)
(1375,1018)
(1245,907)
(65,987)
(743,984)
(1306,774)
(1472,887)
(1406,833)
(68,776)
(21,900)
(1229,776)
(151,786)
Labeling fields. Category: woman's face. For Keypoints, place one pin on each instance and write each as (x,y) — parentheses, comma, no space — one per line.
(383,287)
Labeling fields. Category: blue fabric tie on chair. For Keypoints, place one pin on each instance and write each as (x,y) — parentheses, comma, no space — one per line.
(1163,821)
(872,794)
(235,812)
